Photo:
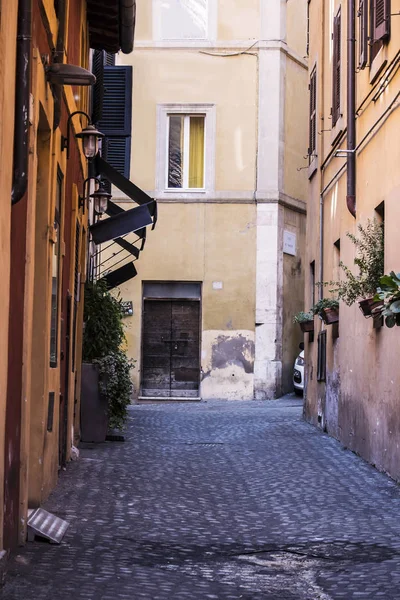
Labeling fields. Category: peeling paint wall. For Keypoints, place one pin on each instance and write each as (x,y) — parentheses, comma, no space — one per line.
(227,365)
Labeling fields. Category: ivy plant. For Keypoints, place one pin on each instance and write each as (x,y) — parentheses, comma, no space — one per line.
(103,342)
(116,385)
(370,263)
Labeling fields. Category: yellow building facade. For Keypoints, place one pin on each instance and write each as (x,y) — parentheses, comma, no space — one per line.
(352,374)
(44,230)
(218,137)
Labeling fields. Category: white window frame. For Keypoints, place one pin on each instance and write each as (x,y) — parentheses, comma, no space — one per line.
(209,39)
(164,111)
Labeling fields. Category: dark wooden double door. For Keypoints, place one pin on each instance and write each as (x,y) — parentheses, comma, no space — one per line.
(171,348)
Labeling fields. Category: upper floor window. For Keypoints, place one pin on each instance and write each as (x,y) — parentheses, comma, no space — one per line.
(181,19)
(186,149)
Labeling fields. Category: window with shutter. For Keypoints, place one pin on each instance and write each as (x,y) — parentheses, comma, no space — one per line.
(363,33)
(313,115)
(116,117)
(381,19)
(337,26)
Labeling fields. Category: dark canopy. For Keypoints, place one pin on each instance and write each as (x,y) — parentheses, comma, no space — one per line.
(111,25)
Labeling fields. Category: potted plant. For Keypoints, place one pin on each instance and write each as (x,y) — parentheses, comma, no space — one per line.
(106,382)
(305,320)
(388,294)
(328,310)
(370,262)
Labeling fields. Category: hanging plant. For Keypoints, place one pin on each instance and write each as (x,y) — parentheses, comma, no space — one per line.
(388,293)
(370,263)
(305,320)
(328,310)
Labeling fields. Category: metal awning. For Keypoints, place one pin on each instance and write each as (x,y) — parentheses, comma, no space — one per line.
(123,228)
(119,276)
(111,25)
(120,221)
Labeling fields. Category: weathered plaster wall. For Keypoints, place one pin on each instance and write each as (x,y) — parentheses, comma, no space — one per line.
(198,248)
(359,402)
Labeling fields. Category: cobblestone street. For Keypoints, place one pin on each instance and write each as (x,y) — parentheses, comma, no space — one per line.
(218,500)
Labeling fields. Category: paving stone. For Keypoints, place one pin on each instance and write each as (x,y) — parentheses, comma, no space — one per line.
(224,500)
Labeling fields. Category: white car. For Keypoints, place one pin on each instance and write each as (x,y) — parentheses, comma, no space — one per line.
(298,374)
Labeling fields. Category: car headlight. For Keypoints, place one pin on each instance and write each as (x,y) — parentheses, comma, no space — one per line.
(300,361)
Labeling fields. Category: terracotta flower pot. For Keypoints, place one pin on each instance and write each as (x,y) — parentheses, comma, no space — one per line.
(367,306)
(307,326)
(330,315)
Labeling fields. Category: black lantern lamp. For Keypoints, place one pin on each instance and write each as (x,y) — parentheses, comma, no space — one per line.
(90,137)
(101,198)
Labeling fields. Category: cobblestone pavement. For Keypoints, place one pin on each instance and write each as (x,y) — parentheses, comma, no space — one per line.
(218,500)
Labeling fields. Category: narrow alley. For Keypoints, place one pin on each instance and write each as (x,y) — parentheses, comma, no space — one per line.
(218,500)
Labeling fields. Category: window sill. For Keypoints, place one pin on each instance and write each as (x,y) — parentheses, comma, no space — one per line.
(337,130)
(312,167)
(184,191)
(184,195)
(378,64)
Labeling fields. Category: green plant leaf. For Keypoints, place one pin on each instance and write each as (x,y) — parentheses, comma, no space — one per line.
(395,306)
(390,321)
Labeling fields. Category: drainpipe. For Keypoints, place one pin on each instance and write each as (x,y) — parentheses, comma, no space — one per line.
(351,108)
(22,95)
(59,58)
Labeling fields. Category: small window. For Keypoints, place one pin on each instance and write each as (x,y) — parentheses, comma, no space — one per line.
(186,136)
(182,19)
(55,269)
(337,52)
(321,367)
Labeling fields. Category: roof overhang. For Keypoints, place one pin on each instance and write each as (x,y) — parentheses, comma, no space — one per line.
(111,25)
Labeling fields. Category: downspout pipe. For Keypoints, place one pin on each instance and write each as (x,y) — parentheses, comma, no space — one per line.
(22,95)
(59,58)
(351,108)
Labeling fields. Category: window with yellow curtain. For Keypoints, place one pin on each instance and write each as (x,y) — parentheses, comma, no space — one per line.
(186,151)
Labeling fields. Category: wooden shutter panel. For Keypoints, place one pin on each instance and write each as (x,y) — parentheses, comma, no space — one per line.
(337,27)
(119,153)
(117,103)
(116,119)
(363,33)
(313,114)
(381,19)
(98,88)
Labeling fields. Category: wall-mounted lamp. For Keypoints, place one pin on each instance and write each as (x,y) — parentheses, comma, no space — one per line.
(101,198)
(63,74)
(82,199)
(90,137)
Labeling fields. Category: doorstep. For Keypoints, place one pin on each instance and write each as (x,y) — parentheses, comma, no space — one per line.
(163,399)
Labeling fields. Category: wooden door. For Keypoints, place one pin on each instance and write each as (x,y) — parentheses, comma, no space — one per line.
(171,348)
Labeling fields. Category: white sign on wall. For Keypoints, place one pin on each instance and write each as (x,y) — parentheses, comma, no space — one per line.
(217,285)
(289,243)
